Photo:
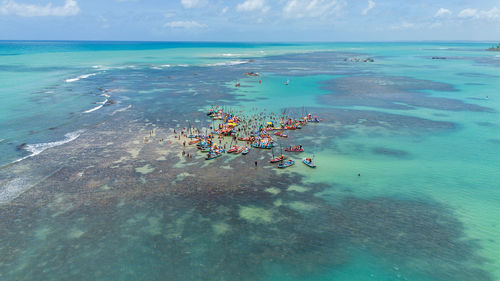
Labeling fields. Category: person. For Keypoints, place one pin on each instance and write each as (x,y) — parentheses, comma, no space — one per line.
(255,163)
(184,143)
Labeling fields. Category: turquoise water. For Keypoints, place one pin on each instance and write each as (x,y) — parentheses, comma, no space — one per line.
(422,133)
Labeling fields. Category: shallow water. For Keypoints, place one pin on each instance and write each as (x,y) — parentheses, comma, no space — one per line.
(97,202)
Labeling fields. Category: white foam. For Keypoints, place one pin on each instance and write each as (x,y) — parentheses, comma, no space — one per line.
(85,76)
(234,62)
(183,65)
(94,109)
(13,188)
(231,55)
(165,65)
(117,90)
(121,109)
(38,148)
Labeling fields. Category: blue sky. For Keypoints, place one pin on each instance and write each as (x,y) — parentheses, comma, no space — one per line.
(250,20)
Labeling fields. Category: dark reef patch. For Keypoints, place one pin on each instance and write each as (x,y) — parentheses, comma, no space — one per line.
(495,141)
(390,152)
(96,214)
(476,75)
(486,124)
(392,92)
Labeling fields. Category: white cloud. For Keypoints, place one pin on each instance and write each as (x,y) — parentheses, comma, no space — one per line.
(442,13)
(467,13)
(404,25)
(169,15)
(492,14)
(185,24)
(253,5)
(312,8)
(10,7)
(371,5)
(188,4)
(224,10)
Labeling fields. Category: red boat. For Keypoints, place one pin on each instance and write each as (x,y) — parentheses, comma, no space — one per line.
(194,141)
(297,148)
(246,139)
(280,134)
(235,149)
(278,159)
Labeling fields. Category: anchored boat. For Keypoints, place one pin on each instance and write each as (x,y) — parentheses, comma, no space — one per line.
(286,164)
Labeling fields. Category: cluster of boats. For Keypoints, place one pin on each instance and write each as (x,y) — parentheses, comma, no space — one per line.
(255,136)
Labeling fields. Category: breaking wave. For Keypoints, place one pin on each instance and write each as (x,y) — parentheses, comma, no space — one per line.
(85,76)
(38,148)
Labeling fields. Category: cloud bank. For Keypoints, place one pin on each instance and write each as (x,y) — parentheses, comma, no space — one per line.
(10,7)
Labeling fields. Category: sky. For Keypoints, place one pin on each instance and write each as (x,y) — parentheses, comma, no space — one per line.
(250,20)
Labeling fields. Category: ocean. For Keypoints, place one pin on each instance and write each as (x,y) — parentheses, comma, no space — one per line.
(93,185)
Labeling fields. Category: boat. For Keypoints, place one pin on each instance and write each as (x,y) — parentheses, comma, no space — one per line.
(278,159)
(297,148)
(246,139)
(211,156)
(281,134)
(206,149)
(245,150)
(234,149)
(268,145)
(309,162)
(286,164)
(252,74)
(194,141)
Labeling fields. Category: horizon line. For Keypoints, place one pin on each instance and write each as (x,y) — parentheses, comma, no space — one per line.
(249,42)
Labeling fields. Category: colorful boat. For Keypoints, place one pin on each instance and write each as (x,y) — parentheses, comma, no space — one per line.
(281,134)
(235,149)
(246,139)
(206,149)
(286,164)
(194,141)
(278,159)
(211,156)
(309,162)
(245,150)
(297,148)
(263,145)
